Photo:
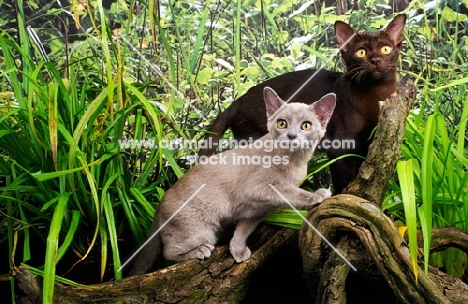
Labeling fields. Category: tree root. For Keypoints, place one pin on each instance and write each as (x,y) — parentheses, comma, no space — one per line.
(352,216)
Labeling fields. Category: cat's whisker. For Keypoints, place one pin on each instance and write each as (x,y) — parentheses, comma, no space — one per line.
(359,76)
(354,74)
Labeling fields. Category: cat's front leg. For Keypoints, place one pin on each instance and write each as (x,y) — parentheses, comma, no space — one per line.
(299,198)
(238,246)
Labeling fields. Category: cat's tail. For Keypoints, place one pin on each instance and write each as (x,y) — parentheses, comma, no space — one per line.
(149,254)
(215,132)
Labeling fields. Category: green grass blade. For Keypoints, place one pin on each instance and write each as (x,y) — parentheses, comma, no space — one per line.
(51,249)
(76,216)
(425,211)
(324,164)
(110,220)
(8,46)
(180,39)
(128,208)
(104,41)
(111,228)
(59,279)
(41,177)
(406,177)
(286,218)
(140,198)
(197,51)
(456,82)
(462,128)
(24,42)
(237,45)
(168,156)
(26,242)
(104,239)
(167,47)
(91,110)
(53,121)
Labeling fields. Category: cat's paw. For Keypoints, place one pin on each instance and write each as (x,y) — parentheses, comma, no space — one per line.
(203,251)
(322,194)
(240,254)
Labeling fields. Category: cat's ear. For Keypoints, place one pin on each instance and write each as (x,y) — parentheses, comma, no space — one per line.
(394,30)
(272,101)
(324,108)
(343,33)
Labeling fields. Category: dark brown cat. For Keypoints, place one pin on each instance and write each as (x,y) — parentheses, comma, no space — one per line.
(370,77)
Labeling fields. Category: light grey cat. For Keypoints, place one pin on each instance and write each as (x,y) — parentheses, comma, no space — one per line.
(233,187)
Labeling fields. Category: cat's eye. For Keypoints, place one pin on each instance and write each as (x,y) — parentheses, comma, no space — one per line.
(281,124)
(386,49)
(361,53)
(306,126)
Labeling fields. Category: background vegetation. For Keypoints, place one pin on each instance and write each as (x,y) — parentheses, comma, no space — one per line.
(77,79)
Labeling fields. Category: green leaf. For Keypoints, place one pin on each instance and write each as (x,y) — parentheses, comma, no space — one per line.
(425,211)
(51,248)
(110,229)
(39,176)
(406,178)
(204,75)
(168,155)
(197,49)
(286,218)
(53,121)
(140,198)
(456,82)
(449,15)
(110,220)
(76,216)
(59,279)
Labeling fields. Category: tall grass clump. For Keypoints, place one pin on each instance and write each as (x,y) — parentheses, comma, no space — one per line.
(65,171)
(72,187)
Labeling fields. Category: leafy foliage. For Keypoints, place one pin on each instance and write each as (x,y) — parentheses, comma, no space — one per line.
(162,70)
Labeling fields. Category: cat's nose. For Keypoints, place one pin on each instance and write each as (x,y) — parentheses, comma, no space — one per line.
(375,60)
(292,136)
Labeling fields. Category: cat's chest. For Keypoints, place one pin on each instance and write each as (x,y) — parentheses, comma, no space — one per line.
(359,104)
(366,106)
(360,109)
(349,121)
(294,173)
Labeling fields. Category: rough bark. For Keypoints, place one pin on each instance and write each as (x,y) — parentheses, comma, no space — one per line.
(216,280)
(331,286)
